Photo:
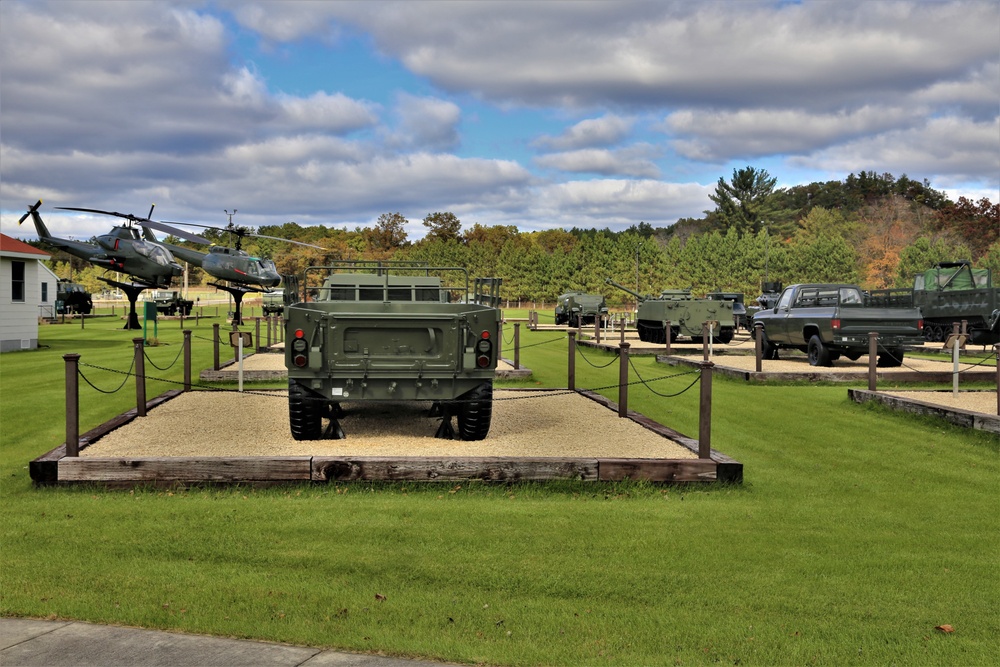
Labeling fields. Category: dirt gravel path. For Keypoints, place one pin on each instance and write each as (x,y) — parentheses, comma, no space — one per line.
(525,424)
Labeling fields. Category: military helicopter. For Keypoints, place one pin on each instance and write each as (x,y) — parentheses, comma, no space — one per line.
(147,263)
(242,271)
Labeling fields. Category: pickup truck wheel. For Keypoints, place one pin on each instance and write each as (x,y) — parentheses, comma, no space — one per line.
(475,412)
(305,412)
(818,353)
(768,350)
(890,358)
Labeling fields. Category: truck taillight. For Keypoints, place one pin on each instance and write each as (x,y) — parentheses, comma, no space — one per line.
(920,325)
(482,361)
(835,325)
(299,333)
(299,360)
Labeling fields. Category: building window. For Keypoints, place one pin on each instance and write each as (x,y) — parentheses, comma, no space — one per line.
(45,292)
(17,281)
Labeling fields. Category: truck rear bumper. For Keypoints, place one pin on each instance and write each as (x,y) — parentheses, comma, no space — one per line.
(396,388)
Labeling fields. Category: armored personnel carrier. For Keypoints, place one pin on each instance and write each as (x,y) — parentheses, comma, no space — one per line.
(579,308)
(364,332)
(685,313)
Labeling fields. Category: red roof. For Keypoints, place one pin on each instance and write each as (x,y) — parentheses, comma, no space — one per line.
(10,244)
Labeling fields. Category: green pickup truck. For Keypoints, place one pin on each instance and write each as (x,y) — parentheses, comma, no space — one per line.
(826,321)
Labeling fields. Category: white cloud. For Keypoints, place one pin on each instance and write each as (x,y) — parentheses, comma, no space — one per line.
(425,123)
(723,135)
(591,133)
(632,161)
(947,149)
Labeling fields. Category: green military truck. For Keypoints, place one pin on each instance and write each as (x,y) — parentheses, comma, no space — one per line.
(946,293)
(367,332)
(170,302)
(72,298)
(273,302)
(687,316)
(829,320)
(579,308)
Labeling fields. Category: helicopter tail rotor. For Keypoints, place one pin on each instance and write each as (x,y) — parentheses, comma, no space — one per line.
(32,211)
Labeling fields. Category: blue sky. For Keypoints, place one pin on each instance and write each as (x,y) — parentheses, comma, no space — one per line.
(534,114)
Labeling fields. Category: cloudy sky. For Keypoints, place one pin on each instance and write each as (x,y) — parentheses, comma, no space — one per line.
(536,114)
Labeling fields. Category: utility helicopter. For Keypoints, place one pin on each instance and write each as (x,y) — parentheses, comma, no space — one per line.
(244,272)
(147,263)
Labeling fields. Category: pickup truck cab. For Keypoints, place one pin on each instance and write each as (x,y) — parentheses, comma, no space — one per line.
(829,320)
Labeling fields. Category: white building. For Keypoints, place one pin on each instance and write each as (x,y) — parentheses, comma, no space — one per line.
(26,289)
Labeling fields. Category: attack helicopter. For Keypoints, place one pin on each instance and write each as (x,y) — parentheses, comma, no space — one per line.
(244,272)
(147,263)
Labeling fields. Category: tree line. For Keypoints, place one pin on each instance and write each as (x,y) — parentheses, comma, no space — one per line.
(872,229)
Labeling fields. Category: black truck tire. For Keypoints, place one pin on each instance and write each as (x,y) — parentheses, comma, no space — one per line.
(819,354)
(305,412)
(475,411)
(768,350)
(891,358)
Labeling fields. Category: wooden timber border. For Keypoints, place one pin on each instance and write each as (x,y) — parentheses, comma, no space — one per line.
(56,468)
(831,376)
(966,418)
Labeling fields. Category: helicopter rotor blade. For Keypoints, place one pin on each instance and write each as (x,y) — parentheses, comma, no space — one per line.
(31,209)
(163,227)
(278,238)
(126,216)
(240,232)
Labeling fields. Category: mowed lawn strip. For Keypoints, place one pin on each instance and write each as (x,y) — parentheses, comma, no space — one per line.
(857,531)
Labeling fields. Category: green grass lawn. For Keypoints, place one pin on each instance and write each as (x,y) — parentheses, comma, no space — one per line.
(856,532)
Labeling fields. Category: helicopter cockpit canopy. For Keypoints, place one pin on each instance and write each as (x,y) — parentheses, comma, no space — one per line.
(157,253)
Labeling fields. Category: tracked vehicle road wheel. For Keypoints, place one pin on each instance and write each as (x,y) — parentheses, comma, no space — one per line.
(725,336)
(475,411)
(305,412)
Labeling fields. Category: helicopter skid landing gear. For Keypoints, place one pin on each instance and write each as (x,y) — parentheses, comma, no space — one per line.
(445,431)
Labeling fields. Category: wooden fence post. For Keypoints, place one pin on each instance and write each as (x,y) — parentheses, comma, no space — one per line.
(187,360)
(872,359)
(705,338)
(758,330)
(623,380)
(215,344)
(517,345)
(622,330)
(571,367)
(597,329)
(257,346)
(705,412)
(997,349)
(140,377)
(72,404)
(667,334)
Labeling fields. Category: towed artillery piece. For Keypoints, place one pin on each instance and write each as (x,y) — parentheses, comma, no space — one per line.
(686,315)
(579,308)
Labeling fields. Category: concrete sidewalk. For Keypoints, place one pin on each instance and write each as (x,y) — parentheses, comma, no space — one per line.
(32,643)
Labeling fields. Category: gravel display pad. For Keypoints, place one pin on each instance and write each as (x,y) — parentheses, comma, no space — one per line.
(973,401)
(531,424)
